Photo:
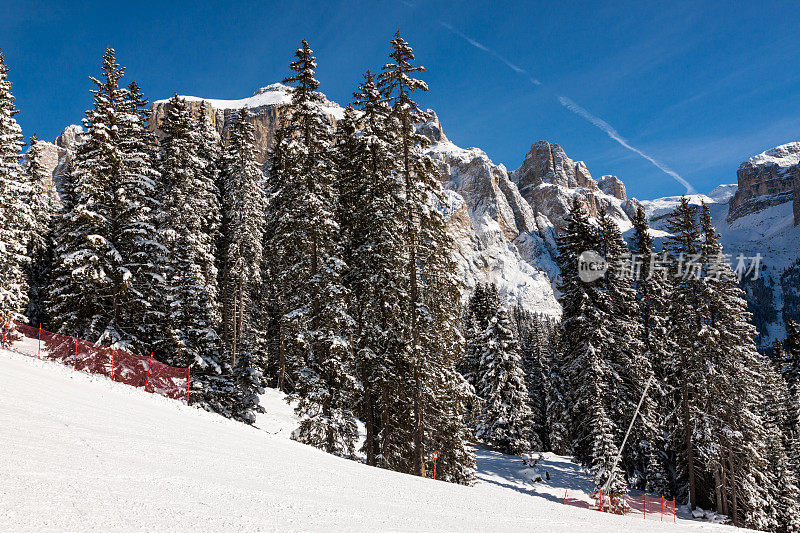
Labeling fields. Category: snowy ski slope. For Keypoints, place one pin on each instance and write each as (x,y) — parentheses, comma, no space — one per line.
(79,453)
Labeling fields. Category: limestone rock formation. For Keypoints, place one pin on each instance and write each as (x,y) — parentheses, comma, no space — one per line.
(767,179)
(267,109)
(498,236)
(613,186)
(549,181)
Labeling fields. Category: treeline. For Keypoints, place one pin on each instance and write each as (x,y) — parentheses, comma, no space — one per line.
(329,276)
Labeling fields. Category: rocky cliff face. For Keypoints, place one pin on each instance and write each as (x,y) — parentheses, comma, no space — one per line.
(267,112)
(767,179)
(549,181)
(499,238)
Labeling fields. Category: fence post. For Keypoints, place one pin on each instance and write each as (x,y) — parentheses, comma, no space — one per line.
(75,361)
(112,362)
(565,498)
(149,364)
(188,377)
(645,506)
(662,507)
(673,510)
(39,349)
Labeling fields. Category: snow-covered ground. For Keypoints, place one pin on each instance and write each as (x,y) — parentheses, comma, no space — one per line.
(82,453)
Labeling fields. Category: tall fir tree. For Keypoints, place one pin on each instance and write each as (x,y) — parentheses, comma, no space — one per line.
(432,293)
(506,420)
(789,363)
(631,367)
(371,218)
(138,227)
(683,369)
(244,211)
(16,217)
(315,324)
(43,202)
(652,283)
(104,284)
(586,333)
(187,226)
(534,341)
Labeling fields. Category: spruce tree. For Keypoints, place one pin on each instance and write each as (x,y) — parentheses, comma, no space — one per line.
(371,217)
(16,217)
(534,345)
(187,226)
(433,300)
(683,368)
(243,207)
(653,292)
(138,224)
(790,370)
(105,280)
(43,202)
(315,325)
(631,367)
(506,421)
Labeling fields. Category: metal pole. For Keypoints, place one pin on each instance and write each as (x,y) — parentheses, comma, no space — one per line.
(627,433)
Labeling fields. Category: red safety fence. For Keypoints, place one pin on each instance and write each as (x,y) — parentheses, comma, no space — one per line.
(84,356)
(645,506)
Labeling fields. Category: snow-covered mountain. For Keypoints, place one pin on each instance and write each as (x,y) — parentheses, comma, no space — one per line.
(505,222)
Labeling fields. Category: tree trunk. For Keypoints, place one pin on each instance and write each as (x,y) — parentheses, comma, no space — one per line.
(281,361)
(718,489)
(386,427)
(234,313)
(734,503)
(688,447)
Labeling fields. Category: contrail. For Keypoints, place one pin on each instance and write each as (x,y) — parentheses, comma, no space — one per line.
(480,46)
(575,108)
(611,132)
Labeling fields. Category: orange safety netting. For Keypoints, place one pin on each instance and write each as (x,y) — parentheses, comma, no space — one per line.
(84,356)
(645,506)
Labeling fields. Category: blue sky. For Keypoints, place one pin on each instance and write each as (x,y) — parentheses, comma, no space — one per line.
(695,86)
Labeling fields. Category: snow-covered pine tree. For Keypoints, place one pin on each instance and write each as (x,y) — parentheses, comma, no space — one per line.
(506,420)
(653,292)
(244,211)
(186,226)
(433,300)
(315,325)
(103,258)
(534,342)
(371,218)
(631,367)
(16,217)
(784,499)
(741,436)
(683,371)
(138,239)
(43,201)
(482,306)
(586,335)
(790,370)
(555,396)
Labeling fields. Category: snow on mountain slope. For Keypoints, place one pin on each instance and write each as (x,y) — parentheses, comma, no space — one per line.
(82,453)
(275,94)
